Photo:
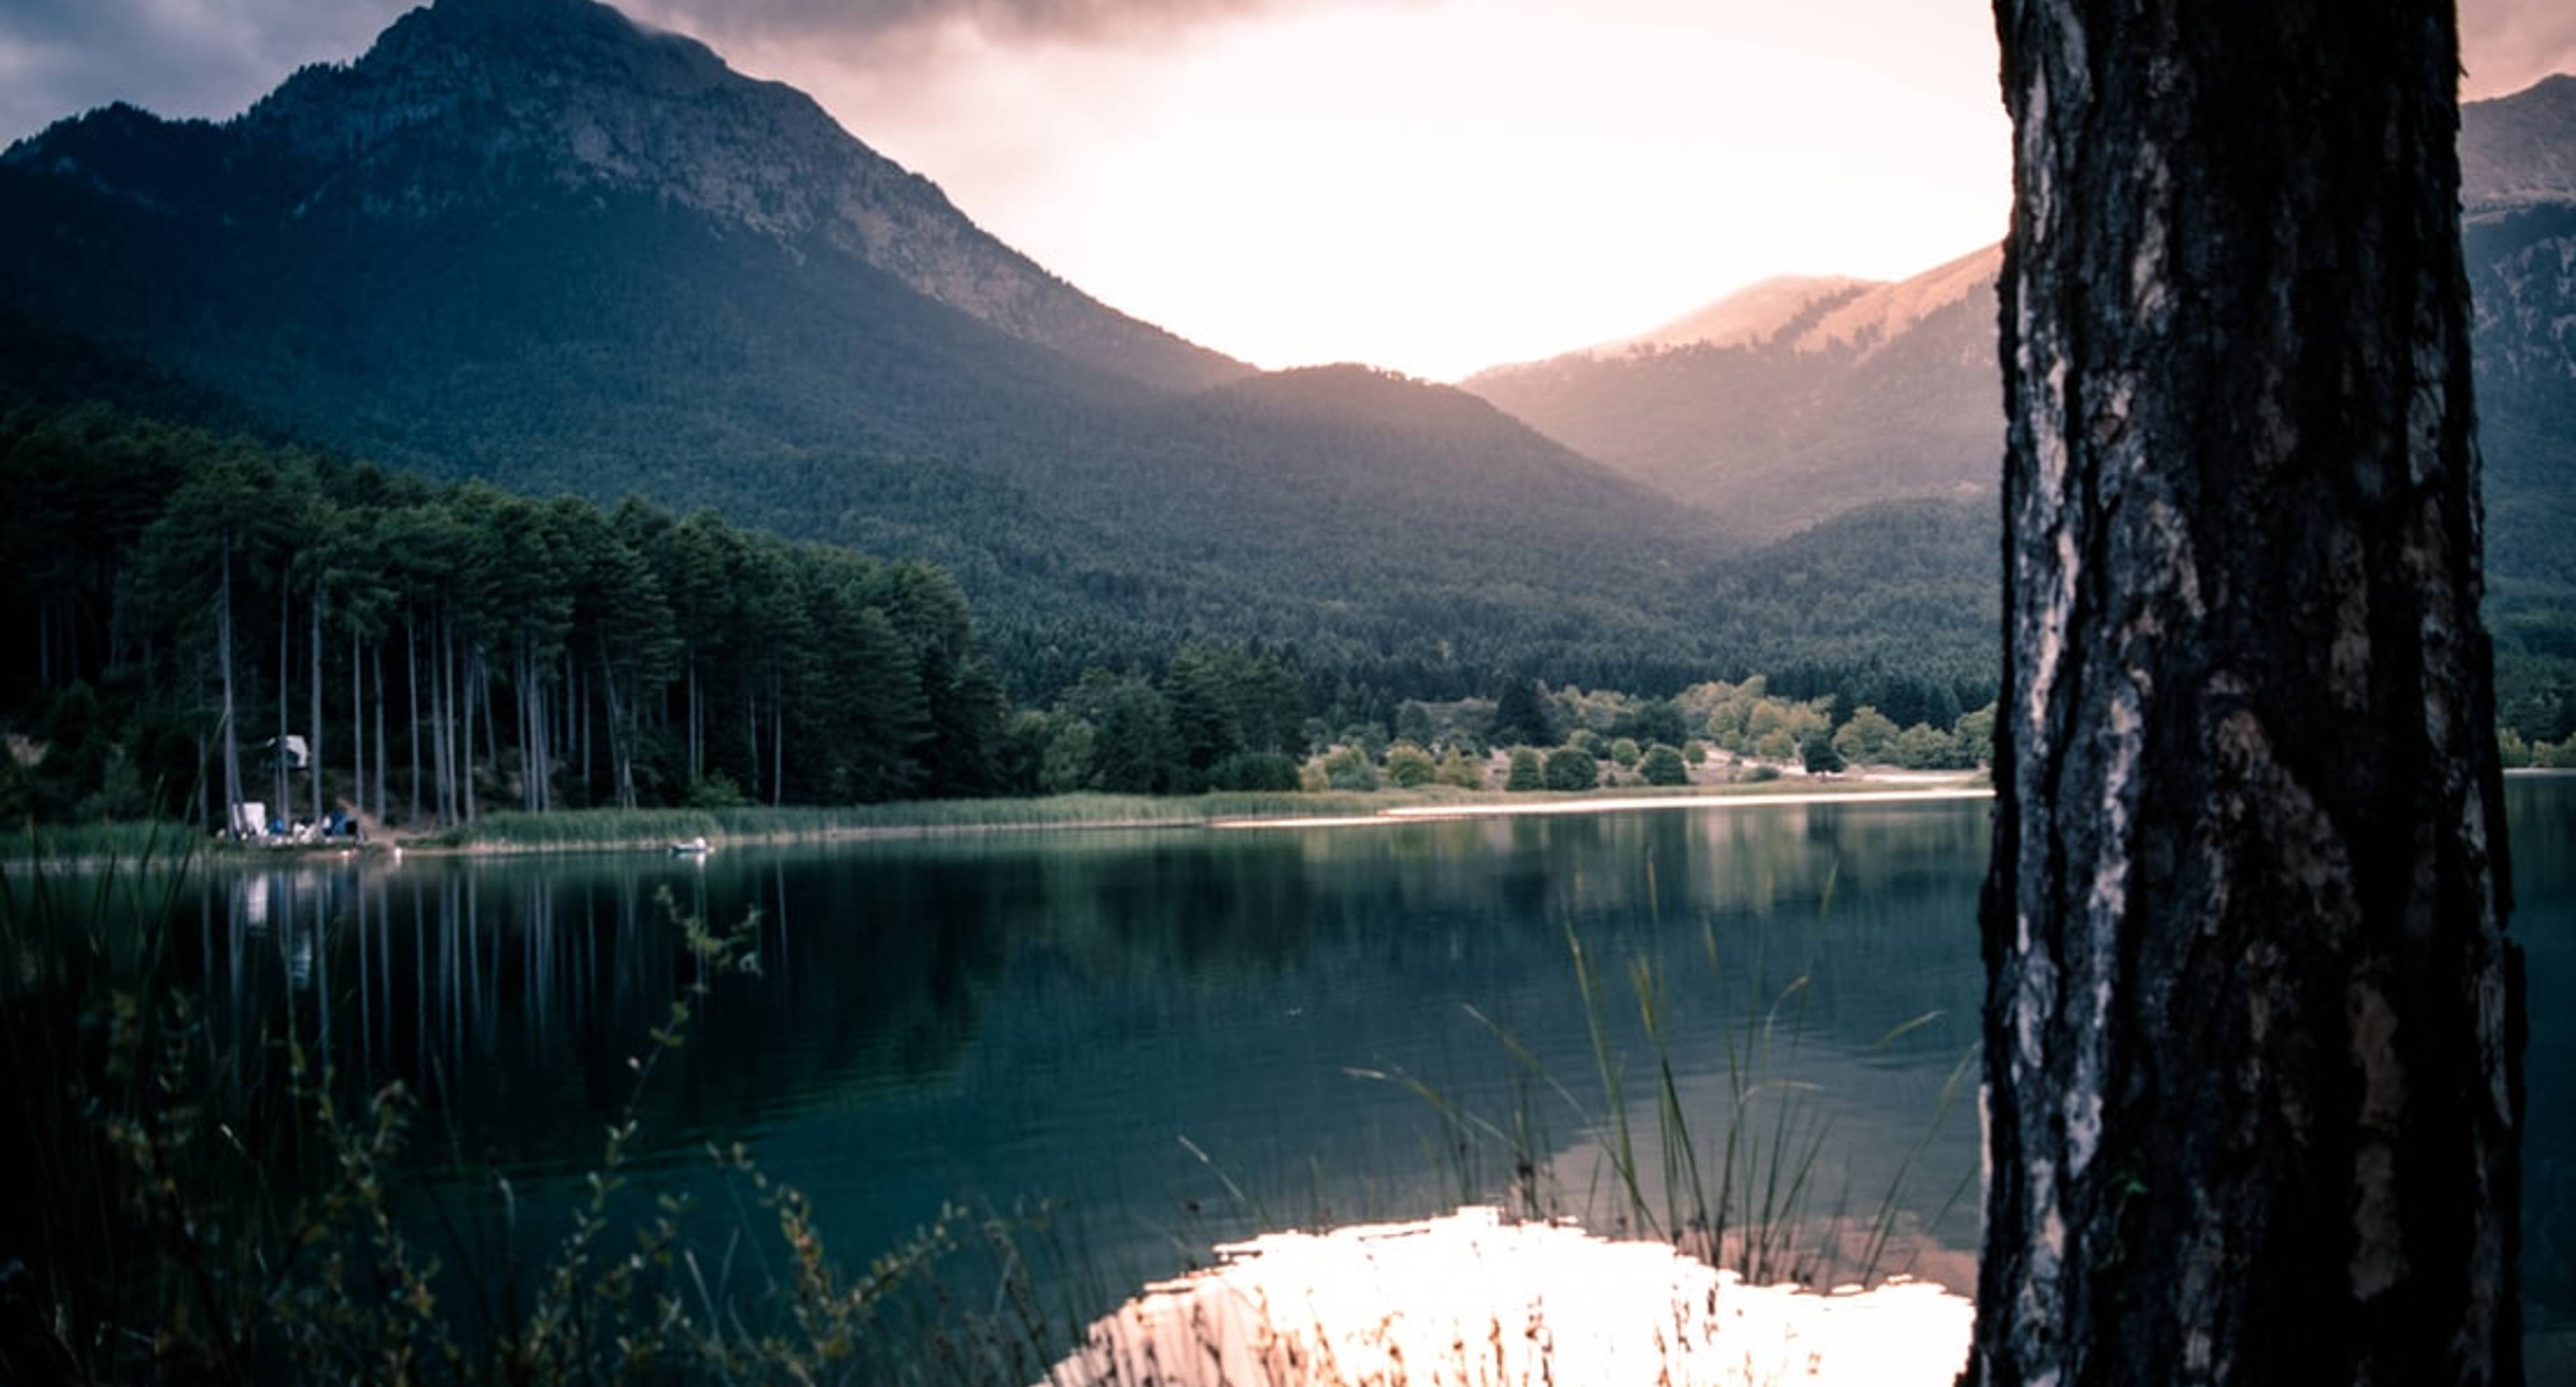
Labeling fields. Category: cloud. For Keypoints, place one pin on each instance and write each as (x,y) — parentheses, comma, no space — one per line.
(2506,45)
(176,57)
(214,57)
(1002,21)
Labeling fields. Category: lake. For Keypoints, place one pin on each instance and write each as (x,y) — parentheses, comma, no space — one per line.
(1178,1037)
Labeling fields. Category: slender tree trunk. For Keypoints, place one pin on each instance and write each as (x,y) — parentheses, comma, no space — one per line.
(232,730)
(472,682)
(313,746)
(519,687)
(581,707)
(411,705)
(2253,1027)
(376,663)
(357,727)
(285,691)
(442,697)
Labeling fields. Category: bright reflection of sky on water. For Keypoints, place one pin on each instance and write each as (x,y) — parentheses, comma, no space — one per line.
(1472,1300)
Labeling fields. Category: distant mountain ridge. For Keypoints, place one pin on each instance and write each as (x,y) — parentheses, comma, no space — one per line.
(531,242)
(1805,407)
(1795,403)
(466,104)
(1793,410)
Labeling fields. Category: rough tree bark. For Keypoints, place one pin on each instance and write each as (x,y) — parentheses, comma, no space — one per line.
(2253,1026)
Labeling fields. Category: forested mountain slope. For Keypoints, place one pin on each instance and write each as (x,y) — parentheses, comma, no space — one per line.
(1855,393)
(528,241)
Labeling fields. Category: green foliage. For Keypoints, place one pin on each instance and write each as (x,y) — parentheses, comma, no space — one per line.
(602,656)
(1349,768)
(1664,766)
(1269,771)
(1528,770)
(1976,736)
(1409,766)
(2511,749)
(1463,770)
(1624,750)
(1522,716)
(1819,755)
(716,791)
(1869,738)
(1572,768)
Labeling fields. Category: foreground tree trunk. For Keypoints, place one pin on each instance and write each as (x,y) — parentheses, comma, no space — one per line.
(2252,1038)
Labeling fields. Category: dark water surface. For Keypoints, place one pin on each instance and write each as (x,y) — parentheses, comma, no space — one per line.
(1187,1035)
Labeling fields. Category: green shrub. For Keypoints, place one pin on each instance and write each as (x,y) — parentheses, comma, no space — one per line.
(716,791)
(1663,766)
(1570,768)
(1409,766)
(1267,771)
(1528,771)
(1350,769)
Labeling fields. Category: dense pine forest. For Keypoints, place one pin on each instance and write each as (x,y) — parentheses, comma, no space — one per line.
(188,605)
(203,618)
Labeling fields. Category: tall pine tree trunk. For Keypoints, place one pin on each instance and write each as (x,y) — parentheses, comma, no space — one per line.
(411,706)
(2253,1026)
(313,745)
(232,729)
(357,727)
(285,691)
(376,664)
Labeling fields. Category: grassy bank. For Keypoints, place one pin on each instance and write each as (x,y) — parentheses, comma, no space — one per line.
(589,830)
(582,830)
(139,842)
(602,830)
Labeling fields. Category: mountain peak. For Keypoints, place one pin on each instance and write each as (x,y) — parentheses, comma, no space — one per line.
(2519,150)
(1749,316)
(483,108)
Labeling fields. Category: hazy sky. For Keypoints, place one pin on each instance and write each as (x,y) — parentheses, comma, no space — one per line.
(1434,185)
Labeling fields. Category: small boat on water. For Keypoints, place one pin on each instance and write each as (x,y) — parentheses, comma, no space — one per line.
(689,847)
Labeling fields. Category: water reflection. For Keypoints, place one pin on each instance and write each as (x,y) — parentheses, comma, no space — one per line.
(1473,1300)
(1160,1029)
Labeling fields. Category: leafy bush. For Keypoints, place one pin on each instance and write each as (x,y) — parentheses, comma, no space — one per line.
(1528,771)
(716,790)
(1267,771)
(1820,756)
(1570,768)
(1349,768)
(1409,766)
(1664,766)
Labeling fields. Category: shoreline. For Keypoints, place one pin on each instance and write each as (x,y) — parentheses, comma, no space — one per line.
(1613,804)
(964,818)
(653,831)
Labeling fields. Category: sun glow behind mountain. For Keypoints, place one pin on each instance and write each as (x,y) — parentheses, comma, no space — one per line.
(1441,187)
(1431,185)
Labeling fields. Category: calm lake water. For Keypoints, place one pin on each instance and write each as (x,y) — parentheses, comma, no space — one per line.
(1182,1036)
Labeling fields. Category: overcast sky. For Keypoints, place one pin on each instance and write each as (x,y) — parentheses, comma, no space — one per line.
(1433,185)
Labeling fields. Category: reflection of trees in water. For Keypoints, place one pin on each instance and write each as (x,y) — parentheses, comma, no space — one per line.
(513,998)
